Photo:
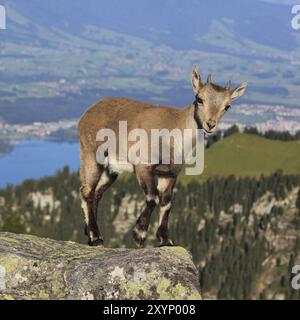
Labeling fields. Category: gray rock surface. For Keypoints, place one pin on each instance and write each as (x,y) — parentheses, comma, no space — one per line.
(38,268)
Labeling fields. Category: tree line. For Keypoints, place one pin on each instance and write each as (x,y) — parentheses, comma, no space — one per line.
(214,219)
(269,134)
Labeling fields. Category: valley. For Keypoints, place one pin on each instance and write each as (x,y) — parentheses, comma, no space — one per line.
(65,66)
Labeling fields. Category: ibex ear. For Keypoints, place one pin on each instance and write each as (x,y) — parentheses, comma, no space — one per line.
(196,80)
(239,91)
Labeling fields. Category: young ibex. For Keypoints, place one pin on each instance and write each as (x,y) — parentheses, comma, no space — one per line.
(211,102)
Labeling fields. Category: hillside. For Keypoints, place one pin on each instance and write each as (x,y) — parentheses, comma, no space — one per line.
(243,233)
(67,54)
(169,23)
(241,225)
(249,155)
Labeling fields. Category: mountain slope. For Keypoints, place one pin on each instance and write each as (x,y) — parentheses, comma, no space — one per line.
(249,155)
(243,233)
(57,57)
(171,22)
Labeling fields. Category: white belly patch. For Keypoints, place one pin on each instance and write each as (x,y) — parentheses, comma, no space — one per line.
(117,167)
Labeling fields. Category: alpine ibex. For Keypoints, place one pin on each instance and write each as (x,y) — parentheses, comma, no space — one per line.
(210,104)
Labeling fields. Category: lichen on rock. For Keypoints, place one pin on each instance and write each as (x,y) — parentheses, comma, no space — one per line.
(38,268)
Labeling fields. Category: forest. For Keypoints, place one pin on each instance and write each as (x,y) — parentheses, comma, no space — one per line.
(237,229)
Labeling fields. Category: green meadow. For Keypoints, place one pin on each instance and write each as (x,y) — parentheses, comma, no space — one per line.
(249,155)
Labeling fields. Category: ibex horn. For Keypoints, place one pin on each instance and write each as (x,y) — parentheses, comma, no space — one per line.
(228,84)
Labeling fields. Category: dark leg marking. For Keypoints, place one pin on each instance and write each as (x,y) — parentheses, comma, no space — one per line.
(146,180)
(165,187)
(142,224)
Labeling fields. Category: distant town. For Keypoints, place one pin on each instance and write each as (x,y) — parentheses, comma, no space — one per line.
(263,117)
(40,130)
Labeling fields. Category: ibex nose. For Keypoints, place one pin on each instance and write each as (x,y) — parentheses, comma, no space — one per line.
(211,124)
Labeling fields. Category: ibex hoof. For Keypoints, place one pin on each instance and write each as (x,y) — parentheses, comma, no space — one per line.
(96,243)
(167,243)
(139,236)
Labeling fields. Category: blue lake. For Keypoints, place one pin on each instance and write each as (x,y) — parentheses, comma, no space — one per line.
(36,159)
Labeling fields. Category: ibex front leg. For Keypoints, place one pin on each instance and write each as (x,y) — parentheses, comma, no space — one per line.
(146,180)
(165,188)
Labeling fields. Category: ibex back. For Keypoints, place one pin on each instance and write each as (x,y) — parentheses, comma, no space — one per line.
(156,180)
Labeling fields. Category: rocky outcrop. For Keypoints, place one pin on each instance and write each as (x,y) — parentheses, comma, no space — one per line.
(37,268)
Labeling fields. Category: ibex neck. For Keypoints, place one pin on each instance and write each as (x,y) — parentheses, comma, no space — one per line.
(191,116)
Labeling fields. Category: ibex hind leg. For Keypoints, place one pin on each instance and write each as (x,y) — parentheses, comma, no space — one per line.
(105,181)
(90,173)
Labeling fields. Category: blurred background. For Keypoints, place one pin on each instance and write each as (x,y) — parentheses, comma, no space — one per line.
(241,217)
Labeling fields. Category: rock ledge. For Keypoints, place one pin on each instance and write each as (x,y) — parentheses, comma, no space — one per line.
(38,268)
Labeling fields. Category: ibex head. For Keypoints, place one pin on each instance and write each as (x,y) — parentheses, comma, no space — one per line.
(213,100)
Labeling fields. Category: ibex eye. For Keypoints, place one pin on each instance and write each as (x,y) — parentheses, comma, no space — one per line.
(227,107)
(199,100)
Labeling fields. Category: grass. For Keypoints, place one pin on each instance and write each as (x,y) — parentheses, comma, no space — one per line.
(249,155)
